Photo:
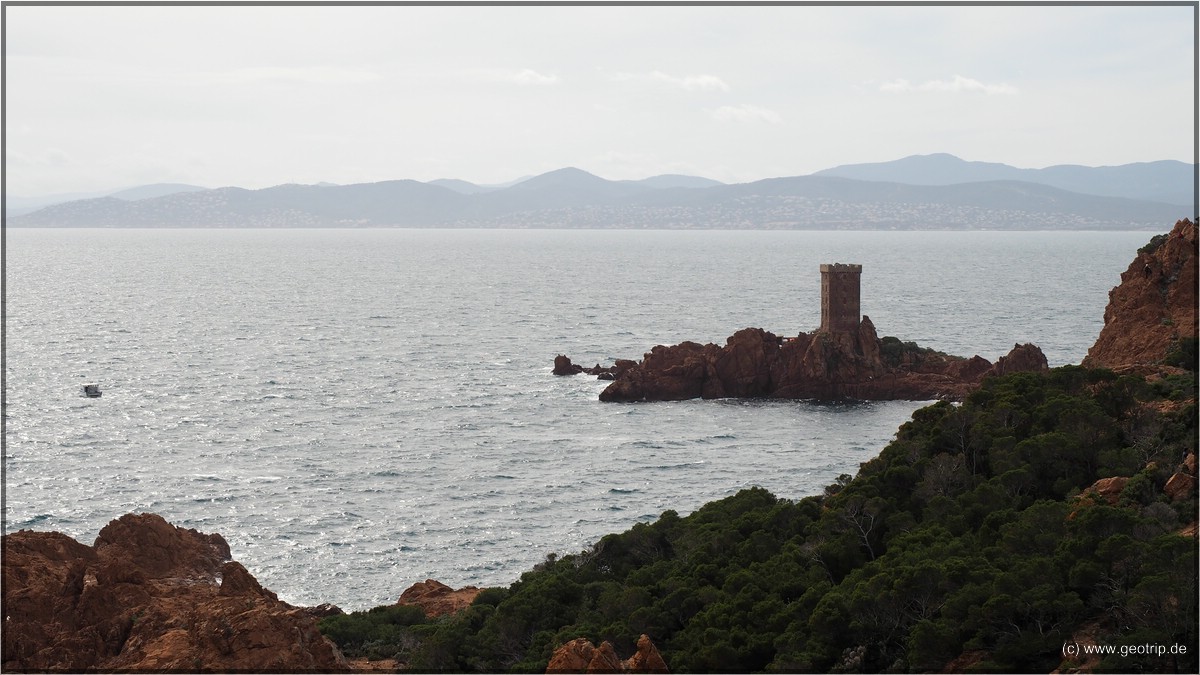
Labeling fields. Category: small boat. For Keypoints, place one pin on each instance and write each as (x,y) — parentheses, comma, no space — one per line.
(92,391)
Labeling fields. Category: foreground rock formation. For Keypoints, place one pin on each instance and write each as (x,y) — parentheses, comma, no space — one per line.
(148,596)
(581,656)
(1152,313)
(1150,317)
(824,365)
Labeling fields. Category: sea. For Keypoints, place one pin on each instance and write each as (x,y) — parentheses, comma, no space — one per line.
(358,410)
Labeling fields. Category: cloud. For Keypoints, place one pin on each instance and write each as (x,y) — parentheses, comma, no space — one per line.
(526,77)
(305,75)
(688,82)
(746,113)
(958,84)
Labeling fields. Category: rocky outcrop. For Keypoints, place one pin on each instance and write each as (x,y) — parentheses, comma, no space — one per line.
(563,366)
(1179,487)
(581,656)
(1022,359)
(1152,313)
(823,365)
(438,599)
(148,596)
(646,659)
(1107,489)
(1182,484)
(1108,492)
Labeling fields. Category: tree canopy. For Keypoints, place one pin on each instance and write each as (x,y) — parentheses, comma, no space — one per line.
(969,534)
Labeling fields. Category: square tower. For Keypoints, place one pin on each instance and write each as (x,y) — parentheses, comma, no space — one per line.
(840,286)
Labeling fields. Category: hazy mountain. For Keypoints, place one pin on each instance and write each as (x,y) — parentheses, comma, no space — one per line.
(154,190)
(461,186)
(1166,181)
(398,203)
(658,182)
(671,180)
(573,198)
(15,206)
(576,182)
(568,188)
(510,183)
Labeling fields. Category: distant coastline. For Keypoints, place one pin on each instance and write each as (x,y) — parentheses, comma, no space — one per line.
(927,192)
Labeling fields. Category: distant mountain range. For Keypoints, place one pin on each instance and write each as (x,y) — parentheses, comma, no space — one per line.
(922,192)
(1167,181)
(15,206)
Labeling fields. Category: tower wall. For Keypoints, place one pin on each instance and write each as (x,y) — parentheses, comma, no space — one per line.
(840,297)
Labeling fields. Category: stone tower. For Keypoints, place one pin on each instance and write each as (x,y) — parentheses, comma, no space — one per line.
(840,285)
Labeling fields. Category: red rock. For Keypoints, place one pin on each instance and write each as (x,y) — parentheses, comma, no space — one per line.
(438,599)
(821,365)
(1108,489)
(844,359)
(147,597)
(646,659)
(157,548)
(974,368)
(665,374)
(563,366)
(236,580)
(323,610)
(605,660)
(572,657)
(743,367)
(1154,306)
(1180,486)
(1022,359)
(581,656)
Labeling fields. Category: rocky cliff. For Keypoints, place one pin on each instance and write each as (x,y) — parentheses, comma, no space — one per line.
(148,596)
(825,365)
(1151,315)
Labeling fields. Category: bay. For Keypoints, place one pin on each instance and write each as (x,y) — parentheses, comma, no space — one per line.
(359,410)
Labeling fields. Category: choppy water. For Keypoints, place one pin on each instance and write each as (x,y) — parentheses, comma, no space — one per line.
(358,410)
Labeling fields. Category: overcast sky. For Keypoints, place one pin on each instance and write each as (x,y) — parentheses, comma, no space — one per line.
(101,98)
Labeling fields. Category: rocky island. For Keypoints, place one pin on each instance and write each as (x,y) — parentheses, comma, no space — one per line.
(844,359)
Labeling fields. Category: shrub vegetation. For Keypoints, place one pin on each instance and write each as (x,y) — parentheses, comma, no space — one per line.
(967,535)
